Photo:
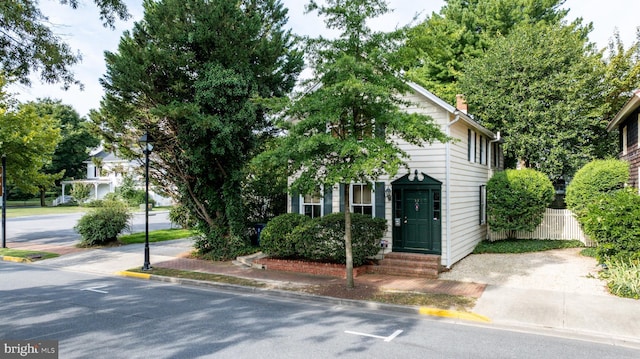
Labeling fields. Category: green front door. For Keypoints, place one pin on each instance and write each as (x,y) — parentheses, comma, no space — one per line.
(417,214)
(421,222)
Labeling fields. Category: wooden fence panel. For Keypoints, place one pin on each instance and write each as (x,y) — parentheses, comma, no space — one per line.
(557,224)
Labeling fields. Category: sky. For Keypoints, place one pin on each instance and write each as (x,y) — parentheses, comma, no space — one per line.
(82,30)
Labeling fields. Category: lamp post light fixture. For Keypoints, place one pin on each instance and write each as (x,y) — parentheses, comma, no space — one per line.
(146,143)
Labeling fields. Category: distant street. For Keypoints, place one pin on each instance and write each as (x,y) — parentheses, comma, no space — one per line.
(96,316)
(58,229)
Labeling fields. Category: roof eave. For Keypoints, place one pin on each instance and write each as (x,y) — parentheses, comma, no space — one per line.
(451,109)
(632,104)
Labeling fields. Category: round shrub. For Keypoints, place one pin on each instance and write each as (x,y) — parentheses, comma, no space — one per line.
(613,221)
(517,199)
(103,224)
(592,180)
(275,238)
(322,239)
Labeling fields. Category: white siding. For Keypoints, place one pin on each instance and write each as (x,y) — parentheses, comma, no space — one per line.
(465,180)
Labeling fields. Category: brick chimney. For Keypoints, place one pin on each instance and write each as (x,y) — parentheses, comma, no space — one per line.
(461,103)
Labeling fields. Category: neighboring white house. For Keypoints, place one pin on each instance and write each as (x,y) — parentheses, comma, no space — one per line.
(105,172)
(439,207)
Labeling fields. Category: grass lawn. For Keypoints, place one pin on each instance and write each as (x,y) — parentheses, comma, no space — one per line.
(13,212)
(156,236)
(26,254)
(524,245)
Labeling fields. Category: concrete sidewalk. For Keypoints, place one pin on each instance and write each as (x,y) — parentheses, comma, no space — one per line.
(602,318)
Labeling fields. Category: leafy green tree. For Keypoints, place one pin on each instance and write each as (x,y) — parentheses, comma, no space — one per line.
(73,148)
(517,199)
(80,192)
(28,44)
(622,74)
(192,74)
(28,141)
(265,188)
(344,124)
(461,31)
(541,87)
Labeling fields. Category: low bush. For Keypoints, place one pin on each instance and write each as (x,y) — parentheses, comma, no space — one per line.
(214,243)
(103,224)
(517,199)
(322,239)
(594,179)
(275,238)
(612,222)
(94,203)
(623,277)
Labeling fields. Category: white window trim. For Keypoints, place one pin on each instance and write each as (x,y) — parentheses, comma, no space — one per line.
(303,203)
(373,197)
(472,146)
(624,140)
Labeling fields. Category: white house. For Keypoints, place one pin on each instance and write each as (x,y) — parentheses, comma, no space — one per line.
(105,172)
(439,207)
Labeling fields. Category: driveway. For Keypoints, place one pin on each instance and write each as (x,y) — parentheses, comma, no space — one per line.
(562,270)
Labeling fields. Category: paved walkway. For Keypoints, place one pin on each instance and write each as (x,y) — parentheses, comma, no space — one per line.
(555,311)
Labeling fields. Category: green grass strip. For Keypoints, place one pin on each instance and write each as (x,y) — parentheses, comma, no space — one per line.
(524,245)
(210,277)
(157,236)
(20,253)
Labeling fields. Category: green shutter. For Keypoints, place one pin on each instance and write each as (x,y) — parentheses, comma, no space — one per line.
(328,200)
(295,202)
(341,189)
(379,196)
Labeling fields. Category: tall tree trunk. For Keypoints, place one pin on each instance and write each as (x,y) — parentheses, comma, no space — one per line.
(347,238)
(42,198)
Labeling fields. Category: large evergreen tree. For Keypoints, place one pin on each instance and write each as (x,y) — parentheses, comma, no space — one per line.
(191,73)
(342,128)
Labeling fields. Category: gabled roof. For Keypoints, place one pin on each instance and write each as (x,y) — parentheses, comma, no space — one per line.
(106,157)
(632,104)
(451,109)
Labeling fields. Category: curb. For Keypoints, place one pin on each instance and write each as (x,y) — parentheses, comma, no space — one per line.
(16,259)
(432,312)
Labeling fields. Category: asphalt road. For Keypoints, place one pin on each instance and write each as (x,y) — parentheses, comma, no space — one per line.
(109,317)
(58,229)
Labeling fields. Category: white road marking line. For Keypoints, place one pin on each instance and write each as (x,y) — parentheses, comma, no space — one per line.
(392,336)
(386,339)
(96,289)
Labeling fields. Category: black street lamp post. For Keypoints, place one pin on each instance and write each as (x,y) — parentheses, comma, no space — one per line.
(146,143)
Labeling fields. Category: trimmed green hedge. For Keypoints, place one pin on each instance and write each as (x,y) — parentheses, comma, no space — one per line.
(613,221)
(593,179)
(275,238)
(517,199)
(322,239)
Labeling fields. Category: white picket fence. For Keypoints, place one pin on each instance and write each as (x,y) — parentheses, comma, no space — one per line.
(557,224)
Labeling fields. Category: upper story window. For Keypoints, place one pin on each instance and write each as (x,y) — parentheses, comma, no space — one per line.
(361,201)
(312,205)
